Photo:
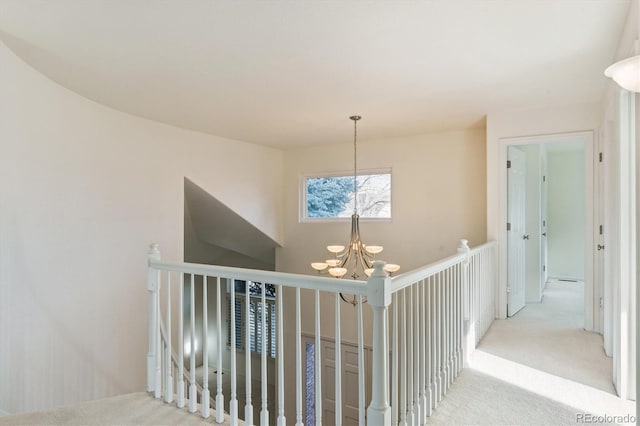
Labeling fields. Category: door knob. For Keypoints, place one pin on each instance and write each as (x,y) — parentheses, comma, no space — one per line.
(544,234)
(525,237)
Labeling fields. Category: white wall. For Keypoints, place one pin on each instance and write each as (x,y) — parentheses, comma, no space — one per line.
(83,190)
(565,209)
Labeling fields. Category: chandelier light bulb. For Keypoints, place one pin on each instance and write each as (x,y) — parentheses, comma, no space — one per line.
(332,262)
(338,272)
(391,268)
(335,249)
(319,266)
(374,249)
(368,271)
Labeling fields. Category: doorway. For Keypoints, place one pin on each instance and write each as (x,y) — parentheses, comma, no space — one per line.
(555,238)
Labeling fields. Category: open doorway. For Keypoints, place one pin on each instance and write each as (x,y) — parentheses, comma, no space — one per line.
(549,205)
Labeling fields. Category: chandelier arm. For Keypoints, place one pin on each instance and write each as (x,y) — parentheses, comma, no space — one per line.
(347,258)
(364,262)
(352,301)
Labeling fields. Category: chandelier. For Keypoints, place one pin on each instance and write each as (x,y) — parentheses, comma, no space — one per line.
(356,258)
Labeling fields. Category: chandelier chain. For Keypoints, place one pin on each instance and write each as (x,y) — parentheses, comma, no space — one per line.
(355,169)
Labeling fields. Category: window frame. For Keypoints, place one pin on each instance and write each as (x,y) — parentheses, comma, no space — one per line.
(302,187)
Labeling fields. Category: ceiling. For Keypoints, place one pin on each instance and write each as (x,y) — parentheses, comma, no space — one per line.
(290,73)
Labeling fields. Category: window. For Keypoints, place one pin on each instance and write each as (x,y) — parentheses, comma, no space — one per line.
(254,317)
(329,197)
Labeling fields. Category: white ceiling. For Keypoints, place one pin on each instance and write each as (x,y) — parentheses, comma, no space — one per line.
(288,73)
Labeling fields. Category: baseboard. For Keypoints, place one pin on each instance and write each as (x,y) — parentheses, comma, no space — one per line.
(565,279)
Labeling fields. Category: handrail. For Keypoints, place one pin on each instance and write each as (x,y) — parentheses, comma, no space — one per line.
(356,287)
(404,280)
(481,247)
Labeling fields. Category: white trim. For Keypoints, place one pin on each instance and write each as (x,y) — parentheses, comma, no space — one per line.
(588,138)
(4,413)
(302,196)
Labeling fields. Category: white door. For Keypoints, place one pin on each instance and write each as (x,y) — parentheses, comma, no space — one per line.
(516,240)
(350,389)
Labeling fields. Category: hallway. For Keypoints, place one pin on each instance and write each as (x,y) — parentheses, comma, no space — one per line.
(539,367)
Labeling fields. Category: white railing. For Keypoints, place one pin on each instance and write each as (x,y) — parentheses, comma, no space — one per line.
(438,315)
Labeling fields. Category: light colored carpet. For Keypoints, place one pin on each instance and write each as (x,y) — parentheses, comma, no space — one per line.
(537,368)
(131,409)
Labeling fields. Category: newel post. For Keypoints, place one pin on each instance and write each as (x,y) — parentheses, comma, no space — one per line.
(469,338)
(379,298)
(152,288)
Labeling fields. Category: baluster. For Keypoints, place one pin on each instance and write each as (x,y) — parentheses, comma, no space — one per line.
(453,368)
(361,388)
(219,394)
(454,323)
(410,408)
(193,391)
(440,328)
(457,316)
(204,399)
(461,318)
(394,365)
(487,300)
(485,323)
(403,360)
(158,380)
(282,421)
(472,303)
(181,388)
(416,355)
(448,324)
(338,354)
(423,352)
(233,402)
(264,413)
(153,254)
(429,348)
(318,366)
(463,248)
(248,407)
(168,391)
(298,361)
(433,344)
(478,306)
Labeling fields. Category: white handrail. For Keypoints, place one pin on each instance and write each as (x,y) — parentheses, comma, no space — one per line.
(405,280)
(310,282)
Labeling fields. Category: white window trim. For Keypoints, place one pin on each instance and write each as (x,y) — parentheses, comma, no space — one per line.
(302,191)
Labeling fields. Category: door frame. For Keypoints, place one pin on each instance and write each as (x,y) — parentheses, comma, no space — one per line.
(591,299)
